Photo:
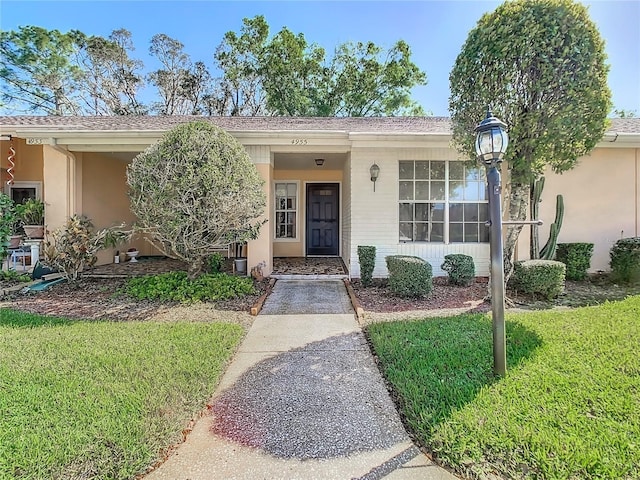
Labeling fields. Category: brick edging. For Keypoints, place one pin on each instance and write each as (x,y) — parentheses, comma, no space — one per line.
(255,309)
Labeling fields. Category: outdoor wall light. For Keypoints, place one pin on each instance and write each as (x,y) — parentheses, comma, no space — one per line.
(491,139)
(375,172)
(319,161)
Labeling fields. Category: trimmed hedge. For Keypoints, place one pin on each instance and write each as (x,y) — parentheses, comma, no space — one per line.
(409,276)
(460,268)
(625,260)
(539,277)
(577,258)
(367,259)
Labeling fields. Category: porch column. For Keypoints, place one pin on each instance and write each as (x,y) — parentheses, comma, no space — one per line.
(62,178)
(260,251)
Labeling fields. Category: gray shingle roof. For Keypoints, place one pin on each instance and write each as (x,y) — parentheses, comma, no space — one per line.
(234,124)
(380,125)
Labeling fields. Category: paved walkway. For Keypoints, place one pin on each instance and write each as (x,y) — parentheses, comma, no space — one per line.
(302,399)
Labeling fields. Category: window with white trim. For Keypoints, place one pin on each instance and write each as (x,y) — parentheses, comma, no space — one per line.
(442,202)
(20,191)
(286,210)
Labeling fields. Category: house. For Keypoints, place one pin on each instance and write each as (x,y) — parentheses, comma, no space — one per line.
(318,178)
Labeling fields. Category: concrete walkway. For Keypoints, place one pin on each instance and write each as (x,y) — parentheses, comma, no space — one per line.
(302,399)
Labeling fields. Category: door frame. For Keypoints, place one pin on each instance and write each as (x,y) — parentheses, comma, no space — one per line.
(338,209)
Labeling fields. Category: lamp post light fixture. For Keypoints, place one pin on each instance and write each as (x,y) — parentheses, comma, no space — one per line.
(491,145)
(374,171)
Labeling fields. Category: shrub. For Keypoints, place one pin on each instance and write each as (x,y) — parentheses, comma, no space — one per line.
(194,191)
(367,259)
(460,268)
(9,222)
(73,248)
(215,262)
(539,277)
(409,276)
(177,287)
(577,258)
(625,260)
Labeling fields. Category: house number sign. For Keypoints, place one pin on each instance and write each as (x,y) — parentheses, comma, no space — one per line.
(299,141)
(37,141)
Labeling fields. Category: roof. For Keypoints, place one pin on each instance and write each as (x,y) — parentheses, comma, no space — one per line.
(626,127)
(150,123)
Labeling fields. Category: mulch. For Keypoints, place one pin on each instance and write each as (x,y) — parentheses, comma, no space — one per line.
(378,297)
(100,298)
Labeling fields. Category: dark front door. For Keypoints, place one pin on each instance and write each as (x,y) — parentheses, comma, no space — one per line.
(322,219)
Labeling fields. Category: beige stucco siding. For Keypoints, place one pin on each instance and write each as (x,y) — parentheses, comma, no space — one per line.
(374,215)
(105,200)
(260,251)
(601,203)
(290,247)
(27,159)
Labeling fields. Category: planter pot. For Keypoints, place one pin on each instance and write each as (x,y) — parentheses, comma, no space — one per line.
(14,241)
(34,231)
(240,265)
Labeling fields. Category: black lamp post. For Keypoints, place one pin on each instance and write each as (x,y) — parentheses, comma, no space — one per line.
(491,144)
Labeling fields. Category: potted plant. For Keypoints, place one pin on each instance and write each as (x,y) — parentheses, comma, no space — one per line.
(239,240)
(9,225)
(31,214)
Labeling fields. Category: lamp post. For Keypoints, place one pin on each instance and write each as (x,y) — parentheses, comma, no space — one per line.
(491,144)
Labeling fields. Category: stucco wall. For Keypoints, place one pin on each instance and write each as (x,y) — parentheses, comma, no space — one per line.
(601,203)
(105,200)
(374,215)
(295,248)
(28,162)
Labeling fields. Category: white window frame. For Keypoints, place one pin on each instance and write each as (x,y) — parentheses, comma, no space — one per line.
(23,184)
(447,204)
(297,211)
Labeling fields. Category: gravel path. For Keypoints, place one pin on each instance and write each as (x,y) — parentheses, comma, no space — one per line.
(323,400)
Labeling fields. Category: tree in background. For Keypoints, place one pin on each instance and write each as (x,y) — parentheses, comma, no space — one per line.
(181,84)
(110,76)
(38,73)
(239,90)
(368,81)
(285,75)
(541,67)
(195,191)
(293,77)
(59,74)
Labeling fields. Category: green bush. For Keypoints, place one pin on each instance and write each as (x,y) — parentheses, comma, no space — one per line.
(409,276)
(625,260)
(577,258)
(460,268)
(176,287)
(215,262)
(539,277)
(367,259)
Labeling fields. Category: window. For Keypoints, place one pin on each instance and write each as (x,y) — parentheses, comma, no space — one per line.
(443,202)
(286,210)
(22,191)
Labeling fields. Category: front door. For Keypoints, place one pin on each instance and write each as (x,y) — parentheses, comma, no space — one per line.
(322,219)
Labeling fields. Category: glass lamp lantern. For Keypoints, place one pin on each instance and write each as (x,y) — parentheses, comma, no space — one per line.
(491,139)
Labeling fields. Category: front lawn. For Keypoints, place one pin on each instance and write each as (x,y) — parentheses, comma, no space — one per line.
(101,399)
(569,406)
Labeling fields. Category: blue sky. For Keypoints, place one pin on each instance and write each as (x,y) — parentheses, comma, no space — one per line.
(435,30)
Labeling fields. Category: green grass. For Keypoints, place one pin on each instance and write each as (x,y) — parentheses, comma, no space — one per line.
(568,408)
(101,399)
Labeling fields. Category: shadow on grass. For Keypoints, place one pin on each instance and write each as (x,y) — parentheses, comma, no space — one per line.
(435,367)
(14,318)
